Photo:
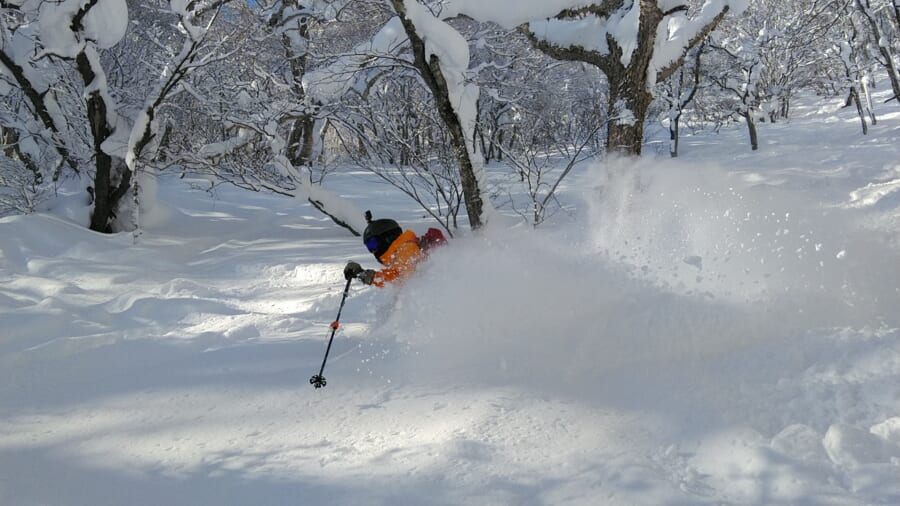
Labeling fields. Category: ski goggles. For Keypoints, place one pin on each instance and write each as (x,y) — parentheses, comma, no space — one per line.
(372,244)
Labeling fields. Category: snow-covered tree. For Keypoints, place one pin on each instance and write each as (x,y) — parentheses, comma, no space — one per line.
(792,41)
(58,37)
(291,21)
(739,75)
(761,61)
(21,184)
(516,79)
(550,141)
(677,92)
(443,64)
(257,127)
(635,43)
(857,78)
(196,52)
(877,16)
(34,128)
(402,140)
(57,55)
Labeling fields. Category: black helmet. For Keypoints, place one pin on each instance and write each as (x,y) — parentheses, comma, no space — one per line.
(380,234)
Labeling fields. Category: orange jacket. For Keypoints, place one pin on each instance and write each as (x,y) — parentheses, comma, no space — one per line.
(399,260)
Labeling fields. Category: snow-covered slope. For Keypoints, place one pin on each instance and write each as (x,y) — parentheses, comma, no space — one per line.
(719,330)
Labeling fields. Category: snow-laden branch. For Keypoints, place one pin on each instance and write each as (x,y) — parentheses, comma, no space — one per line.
(144,129)
(357,70)
(35,89)
(452,51)
(677,34)
(511,14)
(634,42)
(340,210)
(292,181)
(67,25)
(441,56)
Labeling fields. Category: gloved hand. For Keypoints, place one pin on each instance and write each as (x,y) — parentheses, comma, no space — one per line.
(352,270)
(367,276)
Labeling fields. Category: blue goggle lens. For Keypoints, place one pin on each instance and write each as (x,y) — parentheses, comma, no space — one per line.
(372,244)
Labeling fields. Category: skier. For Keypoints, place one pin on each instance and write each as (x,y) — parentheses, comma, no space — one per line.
(398,250)
(394,248)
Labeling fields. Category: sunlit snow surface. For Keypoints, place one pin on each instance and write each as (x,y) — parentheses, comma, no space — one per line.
(717,330)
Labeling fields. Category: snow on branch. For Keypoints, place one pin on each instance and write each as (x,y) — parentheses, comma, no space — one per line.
(593,25)
(42,106)
(677,34)
(357,70)
(144,130)
(65,26)
(512,14)
(441,55)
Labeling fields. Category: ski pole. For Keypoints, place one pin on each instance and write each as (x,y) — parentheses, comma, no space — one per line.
(317,380)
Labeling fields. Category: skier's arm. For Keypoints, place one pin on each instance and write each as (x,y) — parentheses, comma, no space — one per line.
(384,275)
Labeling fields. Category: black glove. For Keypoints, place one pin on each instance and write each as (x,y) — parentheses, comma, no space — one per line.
(352,270)
(367,276)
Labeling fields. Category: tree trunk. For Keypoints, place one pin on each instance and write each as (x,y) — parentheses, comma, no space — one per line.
(867,93)
(854,95)
(301,138)
(883,47)
(785,106)
(471,191)
(430,70)
(896,6)
(751,128)
(39,109)
(628,104)
(629,97)
(674,134)
(893,75)
(107,191)
(9,138)
(481,141)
